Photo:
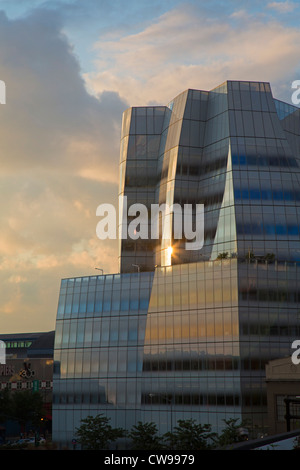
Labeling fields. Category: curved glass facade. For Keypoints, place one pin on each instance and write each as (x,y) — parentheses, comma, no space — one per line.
(189,334)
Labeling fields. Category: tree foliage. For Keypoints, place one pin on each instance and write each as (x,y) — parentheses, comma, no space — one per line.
(231,433)
(189,435)
(22,406)
(144,437)
(95,433)
(26,406)
(4,404)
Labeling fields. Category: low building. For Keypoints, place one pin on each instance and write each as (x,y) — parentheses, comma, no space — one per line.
(283,381)
(28,366)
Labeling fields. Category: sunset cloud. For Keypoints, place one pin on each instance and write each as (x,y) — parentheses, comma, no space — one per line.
(185,49)
(282,7)
(59,161)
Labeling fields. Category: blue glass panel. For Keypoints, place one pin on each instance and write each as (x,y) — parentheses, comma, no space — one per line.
(115,305)
(277,195)
(75,305)
(266,194)
(90,303)
(235,159)
(237,194)
(98,302)
(270,229)
(293,230)
(82,305)
(251,160)
(134,304)
(61,304)
(245,193)
(256,228)
(288,196)
(68,304)
(281,230)
(254,194)
(124,304)
(243,160)
(144,303)
(106,305)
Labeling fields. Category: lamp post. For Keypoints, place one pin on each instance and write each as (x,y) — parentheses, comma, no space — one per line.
(100,269)
(138,267)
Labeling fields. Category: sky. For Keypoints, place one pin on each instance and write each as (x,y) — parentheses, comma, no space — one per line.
(71,68)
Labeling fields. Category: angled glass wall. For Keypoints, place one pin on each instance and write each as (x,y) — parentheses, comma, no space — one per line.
(140,142)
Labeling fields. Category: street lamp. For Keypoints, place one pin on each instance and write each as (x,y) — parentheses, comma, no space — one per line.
(138,267)
(100,269)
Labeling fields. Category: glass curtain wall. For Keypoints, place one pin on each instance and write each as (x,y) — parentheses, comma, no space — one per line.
(99,343)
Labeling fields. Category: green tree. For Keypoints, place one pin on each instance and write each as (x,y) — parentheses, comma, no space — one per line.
(270,257)
(95,433)
(190,436)
(5,404)
(232,433)
(25,407)
(223,255)
(144,437)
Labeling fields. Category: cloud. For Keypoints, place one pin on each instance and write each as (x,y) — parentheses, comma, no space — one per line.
(48,107)
(282,7)
(59,160)
(185,48)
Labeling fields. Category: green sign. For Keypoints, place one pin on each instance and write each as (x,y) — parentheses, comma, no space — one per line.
(36,385)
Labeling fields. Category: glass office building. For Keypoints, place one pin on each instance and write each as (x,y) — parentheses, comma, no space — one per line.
(190,333)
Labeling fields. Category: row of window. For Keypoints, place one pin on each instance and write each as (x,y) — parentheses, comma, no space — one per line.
(95,363)
(155,365)
(225,399)
(81,304)
(108,280)
(270,330)
(21,385)
(17,344)
(265,229)
(77,363)
(175,399)
(270,295)
(281,407)
(267,194)
(146,120)
(205,364)
(265,161)
(109,330)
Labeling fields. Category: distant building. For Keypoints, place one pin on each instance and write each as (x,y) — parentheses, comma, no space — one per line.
(188,333)
(29,366)
(283,381)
